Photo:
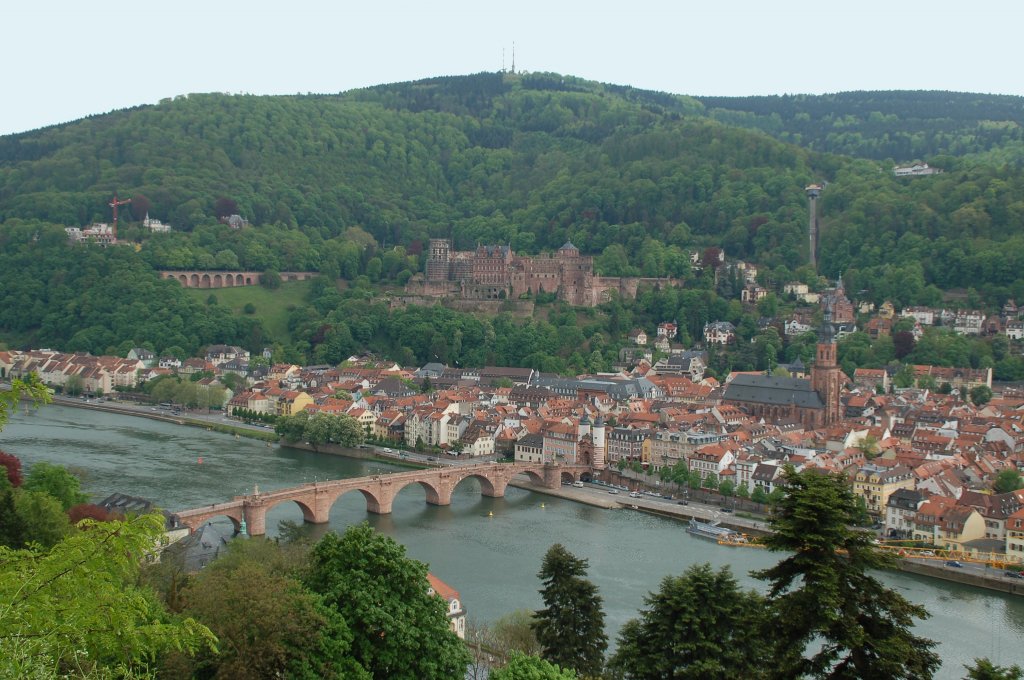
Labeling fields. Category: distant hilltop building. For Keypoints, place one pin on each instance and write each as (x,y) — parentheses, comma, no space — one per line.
(100,233)
(917,170)
(496,273)
(155,226)
(235,221)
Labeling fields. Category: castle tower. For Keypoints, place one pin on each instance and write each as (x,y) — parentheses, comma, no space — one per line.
(813,191)
(825,373)
(599,444)
(439,259)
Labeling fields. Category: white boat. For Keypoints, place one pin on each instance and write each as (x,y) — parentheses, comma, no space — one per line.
(710,530)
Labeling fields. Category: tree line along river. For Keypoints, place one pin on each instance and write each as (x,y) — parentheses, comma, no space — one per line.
(489,549)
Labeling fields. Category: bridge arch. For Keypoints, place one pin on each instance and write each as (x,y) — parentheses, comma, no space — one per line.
(308,514)
(194,522)
(204,282)
(488,487)
(533,476)
(184,280)
(194,281)
(435,495)
(218,281)
(374,504)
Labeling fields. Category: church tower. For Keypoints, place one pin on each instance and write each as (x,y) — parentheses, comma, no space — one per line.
(599,444)
(825,373)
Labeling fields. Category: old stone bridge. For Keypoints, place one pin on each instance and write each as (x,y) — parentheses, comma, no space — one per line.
(315,500)
(226,279)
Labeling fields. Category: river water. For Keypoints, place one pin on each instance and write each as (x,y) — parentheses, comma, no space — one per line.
(489,549)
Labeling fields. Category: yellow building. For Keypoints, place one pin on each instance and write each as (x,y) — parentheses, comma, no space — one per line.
(960,524)
(292,402)
(875,484)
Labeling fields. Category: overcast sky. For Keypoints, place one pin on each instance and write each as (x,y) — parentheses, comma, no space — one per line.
(62,60)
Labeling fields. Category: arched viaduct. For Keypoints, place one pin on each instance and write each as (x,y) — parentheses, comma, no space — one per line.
(315,500)
(226,279)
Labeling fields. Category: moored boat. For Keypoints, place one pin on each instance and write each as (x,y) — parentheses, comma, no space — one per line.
(710,530)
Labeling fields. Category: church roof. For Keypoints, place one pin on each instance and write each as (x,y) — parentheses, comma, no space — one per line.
(766,389)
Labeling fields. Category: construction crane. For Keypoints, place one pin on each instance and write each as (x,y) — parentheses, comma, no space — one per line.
(113,204)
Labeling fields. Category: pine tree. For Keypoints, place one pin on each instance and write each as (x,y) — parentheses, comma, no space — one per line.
(823,597)
(570,628)
(700,625)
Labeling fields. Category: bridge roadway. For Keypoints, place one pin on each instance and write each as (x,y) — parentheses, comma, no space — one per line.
(315,499)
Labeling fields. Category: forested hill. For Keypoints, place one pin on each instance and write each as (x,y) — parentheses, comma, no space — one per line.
(897,126)
(638,179)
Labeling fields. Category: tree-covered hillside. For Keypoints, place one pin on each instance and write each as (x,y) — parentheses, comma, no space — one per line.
(896,126)
(353,184)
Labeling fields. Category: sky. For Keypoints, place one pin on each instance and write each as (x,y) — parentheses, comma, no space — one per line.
(62,60)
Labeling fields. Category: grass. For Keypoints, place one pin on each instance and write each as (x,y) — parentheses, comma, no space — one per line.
(271,305)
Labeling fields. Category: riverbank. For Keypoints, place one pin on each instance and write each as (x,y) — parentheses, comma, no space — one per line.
(239,429)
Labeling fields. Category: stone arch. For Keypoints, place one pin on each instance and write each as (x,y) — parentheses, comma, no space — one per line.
(566,476)
(373,503)
(194,523)
(434,495)
(307,512)
(534,476)
(194,281)
(487,486)
(218,281)
(248,280)
(204,282)
(183,278)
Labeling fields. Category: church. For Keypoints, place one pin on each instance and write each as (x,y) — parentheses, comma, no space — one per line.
(814,403)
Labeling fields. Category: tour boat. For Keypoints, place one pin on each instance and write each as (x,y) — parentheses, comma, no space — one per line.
(709,530)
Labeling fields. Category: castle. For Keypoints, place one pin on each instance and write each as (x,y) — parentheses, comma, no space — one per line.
(496,273)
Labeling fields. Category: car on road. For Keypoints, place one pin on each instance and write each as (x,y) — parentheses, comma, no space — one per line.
(432,459)
(954,563)
(668,496)
(1013,574)
(729,510)
(927,553)
(683,503)
(635,494)
(388,451)
(613,491)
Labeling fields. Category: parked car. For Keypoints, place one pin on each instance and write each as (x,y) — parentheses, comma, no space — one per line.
(635,494)
(388,451)
(613,491)
(927,553)
(578,485)
(1013,574)
(729,510)
(954,563)
(667,496)
(684,503)
(431,459)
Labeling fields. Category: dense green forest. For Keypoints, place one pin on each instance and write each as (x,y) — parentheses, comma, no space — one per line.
(895,126)
(352,185)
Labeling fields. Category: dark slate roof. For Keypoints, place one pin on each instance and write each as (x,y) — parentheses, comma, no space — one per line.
(765,389)
(532,441)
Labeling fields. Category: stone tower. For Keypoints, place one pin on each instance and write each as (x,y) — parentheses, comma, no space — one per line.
(439,259)
(599,444)
(825,373)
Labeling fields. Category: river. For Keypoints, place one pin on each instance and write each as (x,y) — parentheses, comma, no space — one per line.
(489,549)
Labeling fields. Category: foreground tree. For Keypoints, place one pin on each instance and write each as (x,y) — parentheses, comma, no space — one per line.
(75,609)
(822,597)
(698,625)
(267,623)
(56,481)
(570,628)
(399,629)
(524,667)
(28,388)
(983,669)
